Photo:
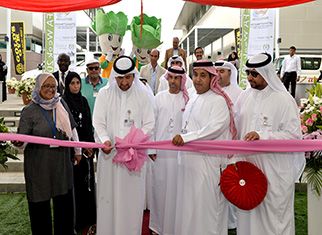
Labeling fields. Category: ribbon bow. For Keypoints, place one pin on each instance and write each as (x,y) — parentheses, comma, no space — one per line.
(132,158)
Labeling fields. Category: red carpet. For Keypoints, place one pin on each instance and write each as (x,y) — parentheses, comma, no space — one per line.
(145,224)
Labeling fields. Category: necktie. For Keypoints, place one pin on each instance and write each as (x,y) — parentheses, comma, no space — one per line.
(62,83)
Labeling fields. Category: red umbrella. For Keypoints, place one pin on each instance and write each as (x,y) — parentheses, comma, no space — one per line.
(244,185)
(251,4)
(54,5)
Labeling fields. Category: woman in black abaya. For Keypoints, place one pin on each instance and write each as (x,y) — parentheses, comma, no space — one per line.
(84,181)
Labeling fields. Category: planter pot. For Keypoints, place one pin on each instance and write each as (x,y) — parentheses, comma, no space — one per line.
(11,90)
(314,211)
(25,98)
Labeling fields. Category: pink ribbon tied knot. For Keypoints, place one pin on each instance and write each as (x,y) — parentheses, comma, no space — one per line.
(128,149)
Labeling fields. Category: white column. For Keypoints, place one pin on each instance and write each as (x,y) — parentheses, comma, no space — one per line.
(87,38)
(188,53)
(314,211)
(277,32)
(222,46)
(96,43)
(211,50)
(8,60)
(196,37)
(188,46)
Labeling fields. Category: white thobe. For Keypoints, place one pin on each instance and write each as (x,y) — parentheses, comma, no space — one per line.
(120,193)
(201,208)
(149,162)
(233,91)
(273,115)
(164,172)
(164,84)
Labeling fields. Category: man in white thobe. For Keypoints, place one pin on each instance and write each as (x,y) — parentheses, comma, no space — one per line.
(267,111)
(173,61)
(201,208)
(120,193)
(169,106)
(228,81)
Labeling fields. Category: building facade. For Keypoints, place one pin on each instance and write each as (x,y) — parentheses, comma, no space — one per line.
(213,28)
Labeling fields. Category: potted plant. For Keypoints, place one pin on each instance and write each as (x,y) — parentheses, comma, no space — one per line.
(7,150)
(311,124)
(24,89)
(11,84)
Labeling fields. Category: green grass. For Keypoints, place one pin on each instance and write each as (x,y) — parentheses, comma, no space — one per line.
(14,218)
(300,208)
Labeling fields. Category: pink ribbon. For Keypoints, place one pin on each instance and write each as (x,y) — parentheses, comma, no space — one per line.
(232,146)
(131,149)
(47,141)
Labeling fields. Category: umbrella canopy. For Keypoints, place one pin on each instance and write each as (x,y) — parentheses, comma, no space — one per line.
(75,5)
(55,5)
(244,185)
(251,4)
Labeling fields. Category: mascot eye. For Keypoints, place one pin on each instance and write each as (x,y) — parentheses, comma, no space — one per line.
(148,52)
(120,39)
(110,37)
(138,50)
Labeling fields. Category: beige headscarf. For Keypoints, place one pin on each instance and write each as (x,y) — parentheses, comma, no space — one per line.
(62,116)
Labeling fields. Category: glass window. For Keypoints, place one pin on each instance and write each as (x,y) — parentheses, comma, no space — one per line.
(310,63)
(28,44)
(3,45)
(278,63)
(97,55)
(80,57)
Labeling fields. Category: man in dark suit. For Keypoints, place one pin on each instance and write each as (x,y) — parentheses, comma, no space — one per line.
(3,74)
(60,75)
(175,50)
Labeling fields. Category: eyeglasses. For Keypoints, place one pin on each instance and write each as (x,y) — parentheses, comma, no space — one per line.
(47,87)
(93,68)
(252,72)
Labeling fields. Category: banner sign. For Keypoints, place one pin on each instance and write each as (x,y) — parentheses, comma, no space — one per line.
(65,36)
(18,47)
(60,38)
(261,34)
(238,41)
(244,47)
(49,43)
(257,37)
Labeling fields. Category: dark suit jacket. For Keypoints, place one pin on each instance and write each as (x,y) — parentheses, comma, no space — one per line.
(169,54)
(56,75)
